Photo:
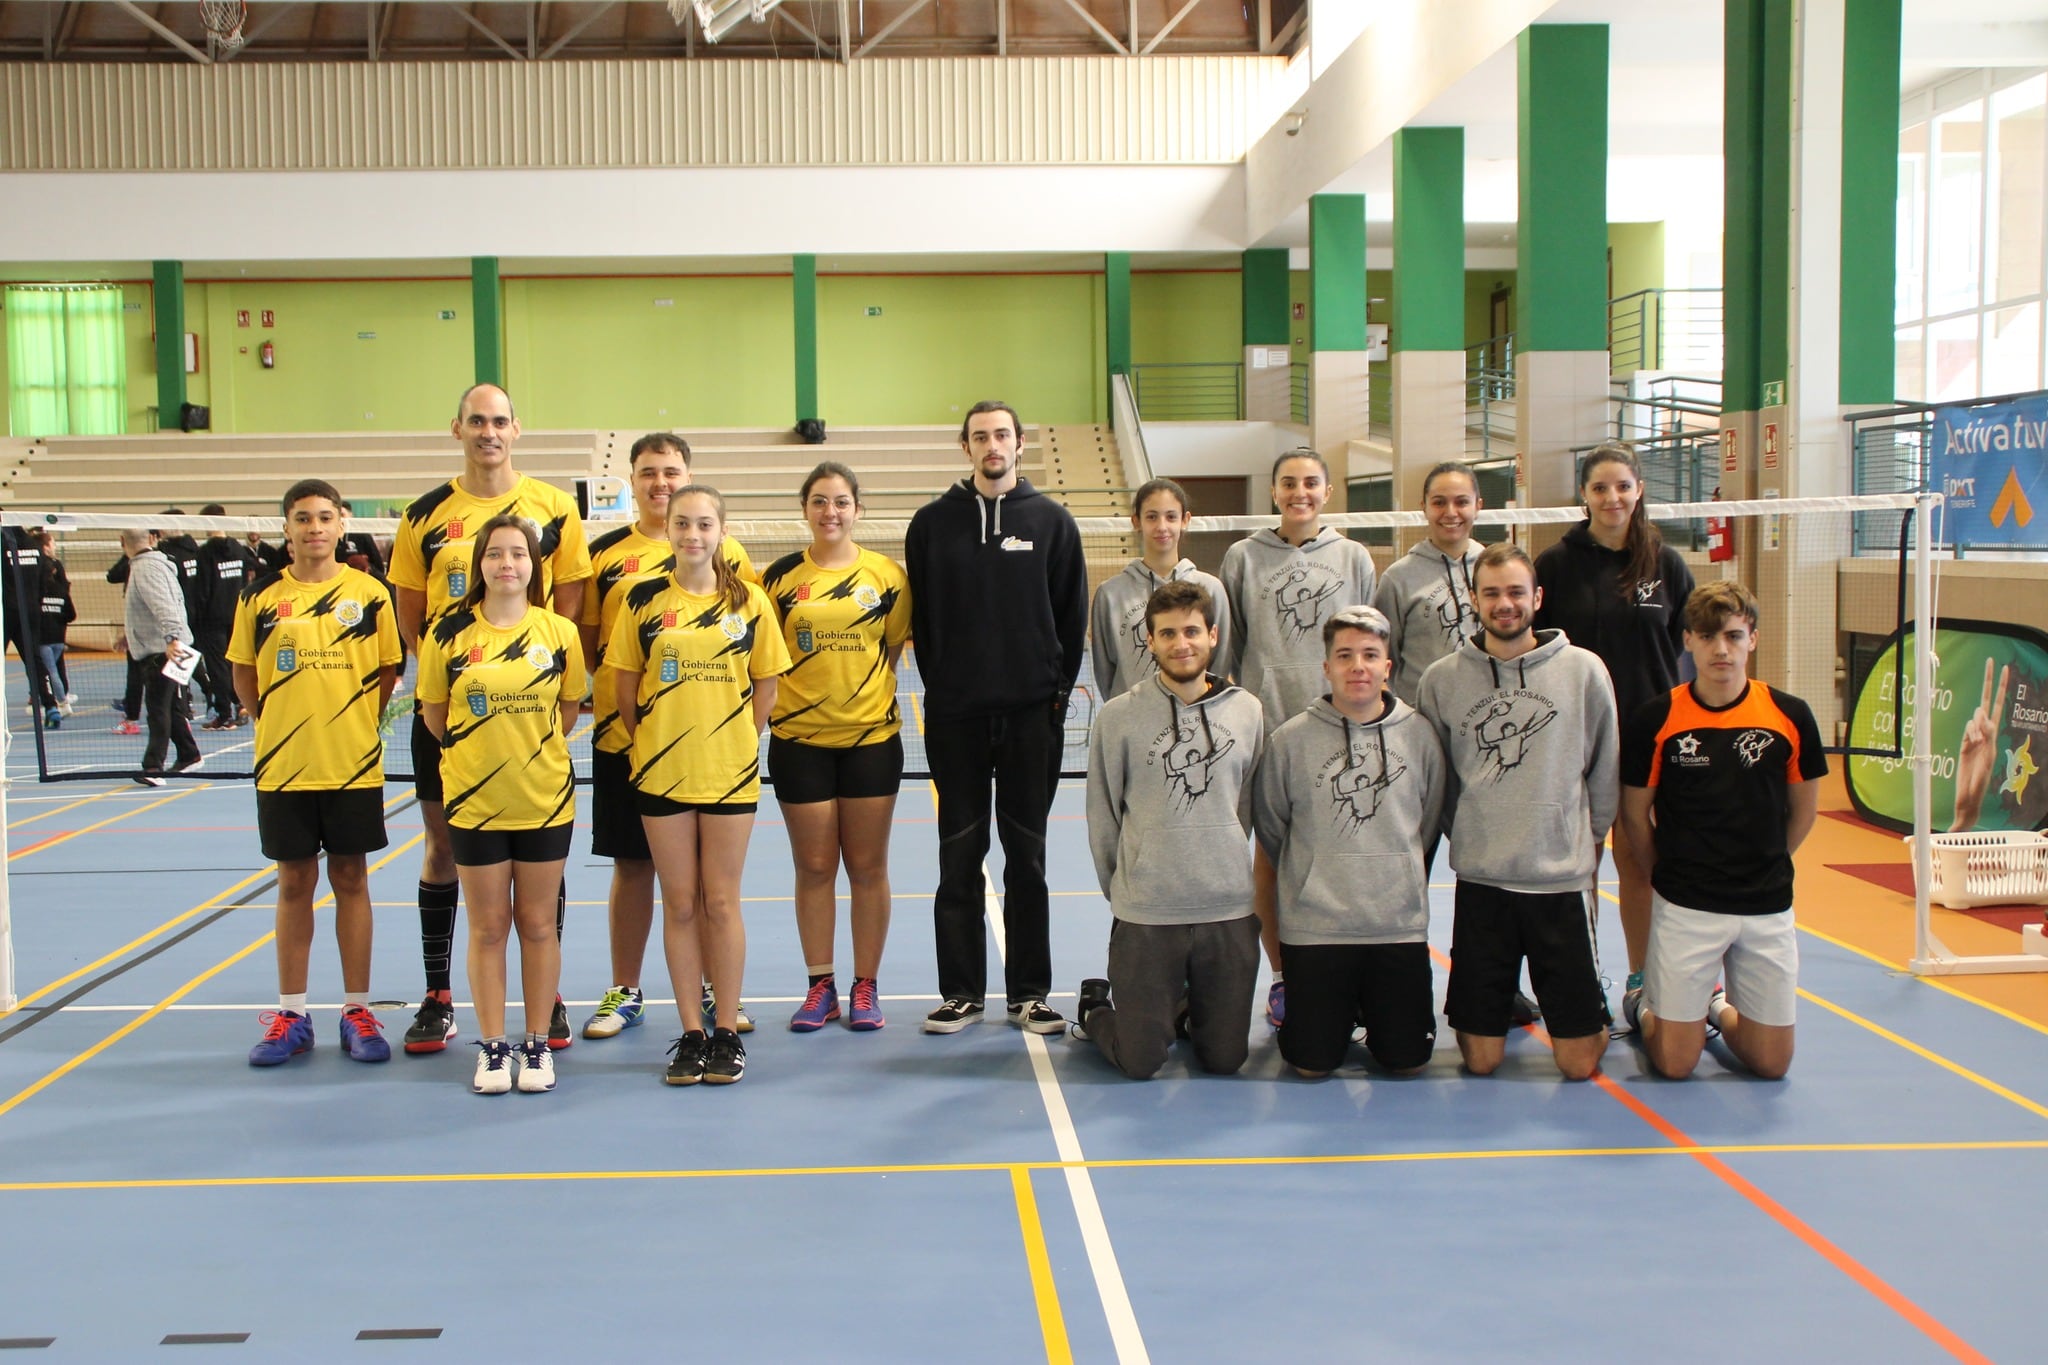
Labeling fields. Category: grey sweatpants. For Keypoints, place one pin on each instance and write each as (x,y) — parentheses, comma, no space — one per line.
(1213,966)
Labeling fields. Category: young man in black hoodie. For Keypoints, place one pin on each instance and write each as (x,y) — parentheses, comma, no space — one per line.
(226,566)
(999,617)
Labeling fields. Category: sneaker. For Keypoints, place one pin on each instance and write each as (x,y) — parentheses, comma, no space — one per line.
(217,723)
(493,1069)
(69,706)
(742,1021)
(1524,1011)
(537,1067)
(241,719)
(953,1015)
(688,1052)
(727,1061)
(1276,1003)
(127,727)
(285,1035)
(362,1036)
(53,719)
(559,1033)
(149,777)
(186,765)
(865,1015)
(433,1028)
(1714,1001)
(820,1007)
(1035,1016)
(622,1008)
(1094,994)
(1632,1008)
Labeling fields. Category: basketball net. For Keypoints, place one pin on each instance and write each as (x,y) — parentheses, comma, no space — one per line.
(223,20)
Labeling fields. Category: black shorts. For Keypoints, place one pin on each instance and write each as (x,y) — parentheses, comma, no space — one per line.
(484,847)
(1493,930)
(297,825)
(426,759)
(658,806)
(1332,987)
(615,828)
(806,773)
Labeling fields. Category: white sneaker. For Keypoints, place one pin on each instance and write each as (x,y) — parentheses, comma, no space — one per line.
(493,1069)
(536,1067)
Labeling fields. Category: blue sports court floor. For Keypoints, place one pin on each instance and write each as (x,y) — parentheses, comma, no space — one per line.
(903,1197)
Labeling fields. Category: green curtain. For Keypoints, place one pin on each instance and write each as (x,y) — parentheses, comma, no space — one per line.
(66,361)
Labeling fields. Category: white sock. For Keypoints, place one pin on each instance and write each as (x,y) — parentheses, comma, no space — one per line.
(1278,978)
(295,1003)
(351,999)
(1716,1009)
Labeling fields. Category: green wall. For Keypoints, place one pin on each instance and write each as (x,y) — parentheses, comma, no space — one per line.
(1637,258)
(1186,316)
(1479,290)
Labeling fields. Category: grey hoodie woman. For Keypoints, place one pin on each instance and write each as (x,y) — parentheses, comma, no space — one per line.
(1280,595)
(1426,596)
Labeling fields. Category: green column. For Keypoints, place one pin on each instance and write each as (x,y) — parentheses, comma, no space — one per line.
(168,297)
(804,307)
(1263,279)
(1429,240)
(1116,310)
(1336,270)
(1870,158)
(486,304)
(1757,198)
(1561,236)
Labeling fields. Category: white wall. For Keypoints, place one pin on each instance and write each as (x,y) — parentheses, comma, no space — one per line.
(1219,449)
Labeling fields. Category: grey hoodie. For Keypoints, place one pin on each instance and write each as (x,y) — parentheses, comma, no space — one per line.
(1426,595)
(1116,624)
(1280,595)
(1533,748)
(1346,812)
(1170,803)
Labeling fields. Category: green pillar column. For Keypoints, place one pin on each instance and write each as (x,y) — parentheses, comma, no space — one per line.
(804,307)
(1428,326)
(1116,310)
(486,303)
(1561,361)
(168,298)
(1870,158)
(1262,283)
(1339,378)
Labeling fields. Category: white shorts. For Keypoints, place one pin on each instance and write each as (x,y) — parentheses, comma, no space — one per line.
(1757,956)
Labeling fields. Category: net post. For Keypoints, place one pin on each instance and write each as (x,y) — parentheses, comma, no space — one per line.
(7,996)
(1926,947)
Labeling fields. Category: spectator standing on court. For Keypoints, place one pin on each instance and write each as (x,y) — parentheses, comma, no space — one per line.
(999,620)
(226,567)
(154,622)
(54,615)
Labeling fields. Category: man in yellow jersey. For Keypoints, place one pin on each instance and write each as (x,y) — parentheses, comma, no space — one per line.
(430,560)
(315,653)
(622,558)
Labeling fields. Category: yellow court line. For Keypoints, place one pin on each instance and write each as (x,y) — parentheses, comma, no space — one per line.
(1935,982)
(985,1167)
(69,835)
(1052,1325)
(173,998)
(2038,1110)
(46,814)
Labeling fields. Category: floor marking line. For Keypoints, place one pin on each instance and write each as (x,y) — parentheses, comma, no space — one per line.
(1052,1325)
(987,1167)
(1927,1054)
(36,1087)
(46,814)
(1931,981)
(66,836)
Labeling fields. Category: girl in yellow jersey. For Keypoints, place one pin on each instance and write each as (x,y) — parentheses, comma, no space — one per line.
(697,665)
(835,753)
(501,682)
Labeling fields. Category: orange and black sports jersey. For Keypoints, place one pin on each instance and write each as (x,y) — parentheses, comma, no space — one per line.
(1720,775)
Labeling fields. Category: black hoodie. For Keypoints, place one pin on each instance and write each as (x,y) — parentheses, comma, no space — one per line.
(1639,635)
(998,600)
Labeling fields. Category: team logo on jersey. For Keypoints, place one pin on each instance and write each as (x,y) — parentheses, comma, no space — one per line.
(1356,789)
(476,654)
(1646,592)
(1012,543)
(805,641)
(455,530)
(284,609)
(540,657)
(1188,752)
(1504,732)
(458,584)
(479,702)
(1750,746)
(866,598)
(287,659)
(530,524)
(1299,592)
(671,666)
(348,611)
(732,626)
(668,620)
(803,592)
(632,564)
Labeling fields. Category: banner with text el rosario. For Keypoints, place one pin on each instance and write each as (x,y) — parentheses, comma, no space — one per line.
(1990,463)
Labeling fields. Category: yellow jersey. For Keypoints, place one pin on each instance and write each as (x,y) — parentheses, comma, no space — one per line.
(504,758)
(436,541)
(839,626)
(620,559)
(698,660)
(319,651)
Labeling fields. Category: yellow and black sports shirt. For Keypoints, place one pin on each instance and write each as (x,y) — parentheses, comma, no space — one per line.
(504,759)
(437,535)
(839,626)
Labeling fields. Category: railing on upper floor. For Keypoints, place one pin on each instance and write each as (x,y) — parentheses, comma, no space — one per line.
(1297,393)
(1490,398)
(1189,391)
(1664,329)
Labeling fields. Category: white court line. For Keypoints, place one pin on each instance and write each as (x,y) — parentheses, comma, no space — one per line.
(650,1001)
(1109,1277)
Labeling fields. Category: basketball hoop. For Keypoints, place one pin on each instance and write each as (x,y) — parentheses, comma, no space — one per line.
(223,20)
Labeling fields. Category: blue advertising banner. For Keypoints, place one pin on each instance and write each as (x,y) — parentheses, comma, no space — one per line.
(1991,465)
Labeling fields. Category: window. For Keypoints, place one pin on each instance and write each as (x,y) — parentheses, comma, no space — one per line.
(66,362)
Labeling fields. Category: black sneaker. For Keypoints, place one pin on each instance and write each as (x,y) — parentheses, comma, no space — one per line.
(688,1051)
(953,1015)
(1524,1011)
(432,1028)
(1094,994)
(559,1035)
(727,1061)
(1035,1016)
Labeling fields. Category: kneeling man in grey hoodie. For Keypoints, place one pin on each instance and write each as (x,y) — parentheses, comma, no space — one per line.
(1170,765)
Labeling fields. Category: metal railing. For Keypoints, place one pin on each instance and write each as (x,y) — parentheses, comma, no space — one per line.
(1297,393)
(1664,329)
(1189,391)
(1490,398)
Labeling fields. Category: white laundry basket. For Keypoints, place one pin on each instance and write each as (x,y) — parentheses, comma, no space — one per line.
(1989,867)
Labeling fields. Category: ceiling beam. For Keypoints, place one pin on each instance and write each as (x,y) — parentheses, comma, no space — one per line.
(915,8)
(154,25)
(781,12)
(271,15)
(481,27)
(597,12)
(1171,25)
(1096,24)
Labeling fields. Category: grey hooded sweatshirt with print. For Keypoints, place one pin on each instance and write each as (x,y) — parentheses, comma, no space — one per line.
(1116,624)
(1280,595)
(1426,596)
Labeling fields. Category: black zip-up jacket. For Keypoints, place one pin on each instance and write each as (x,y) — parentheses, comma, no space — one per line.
(226,566)
(1639,635)
(998,600)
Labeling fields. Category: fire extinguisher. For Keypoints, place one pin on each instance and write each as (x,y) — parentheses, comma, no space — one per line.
(1720,541)
(266,354)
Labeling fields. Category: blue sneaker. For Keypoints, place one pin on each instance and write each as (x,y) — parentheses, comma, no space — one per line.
(1276,1004)
(362,1037)
(285,1036)
(820,1007)
(621,1008)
